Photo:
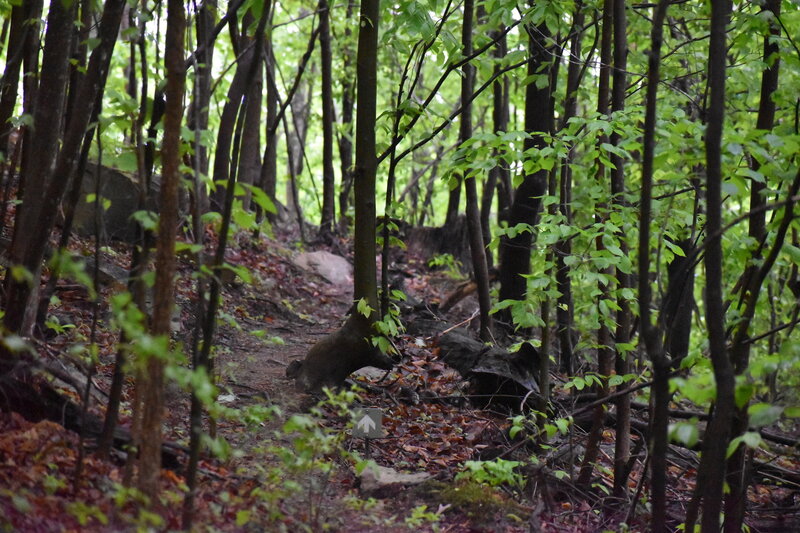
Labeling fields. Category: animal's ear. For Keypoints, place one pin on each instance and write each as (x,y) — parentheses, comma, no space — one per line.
(294,368)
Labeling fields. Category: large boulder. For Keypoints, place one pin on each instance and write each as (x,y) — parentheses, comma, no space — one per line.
(335,269)
(122,191)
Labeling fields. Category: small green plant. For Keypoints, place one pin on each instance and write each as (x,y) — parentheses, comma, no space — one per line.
(494,473)
(420,516)
(54,324)
(85,513)
(451,266)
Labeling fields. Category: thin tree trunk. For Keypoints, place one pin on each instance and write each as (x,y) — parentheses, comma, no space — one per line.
(21,26)
(738,469)
(563,248)
(365,280)
(476,244)
(622,442)
(250,153)
(328,179)
(227,122)
(499,179)
(605,354)
(197,117)
(515,254)
(152,391)
(345,138)
(711,472)
(269,167)
(650,334)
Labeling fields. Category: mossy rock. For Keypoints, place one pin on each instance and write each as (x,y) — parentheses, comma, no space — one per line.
(482,503)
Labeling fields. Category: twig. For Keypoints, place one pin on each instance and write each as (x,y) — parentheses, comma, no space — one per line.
(448,330)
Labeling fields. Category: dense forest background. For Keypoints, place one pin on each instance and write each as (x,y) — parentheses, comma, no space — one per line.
(614,183)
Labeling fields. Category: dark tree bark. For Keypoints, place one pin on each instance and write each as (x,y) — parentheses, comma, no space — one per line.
(622,441)
(515,254)
(332,359)
(476,244)
(39,220)
(151,390)
(365,274)
(42,146)
(345,140)
(650,334)
(78,54)
(738,468)
(21,27)
(249,171)
(240,95)
(269,167)
(499,180)
(197,115)
(328,180)
(563,248)
(48,113)
(605,355)
(711,473)
(76,68)
(453,206)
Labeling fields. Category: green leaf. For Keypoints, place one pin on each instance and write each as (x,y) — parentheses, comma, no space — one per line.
(764,414)
(793,252)
(243,517)
(364,308)
(148,220)
(744,392)
(685,432)
(749,439)
(792,412)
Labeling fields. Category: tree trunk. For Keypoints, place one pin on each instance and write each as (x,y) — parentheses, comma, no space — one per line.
(197,116)
(328,180)
(249,171)
(622,442)
(40,219)
(650,334)
(563,248)
(515,254)
(738,469)
(711,472)
(151,391)
(250,155)
(21,27)
(345,138)
(269,167)
(605,355)
(476,244)
(227,123)
(499,177)
(333,358)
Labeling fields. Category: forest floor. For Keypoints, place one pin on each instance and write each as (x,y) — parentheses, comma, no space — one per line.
(296,470)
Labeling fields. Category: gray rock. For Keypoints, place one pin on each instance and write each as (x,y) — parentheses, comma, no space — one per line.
(383,482)
(335,269)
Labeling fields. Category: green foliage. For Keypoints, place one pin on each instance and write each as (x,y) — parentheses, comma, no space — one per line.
(494,473)
(452,266)
(86,514)
(420,516)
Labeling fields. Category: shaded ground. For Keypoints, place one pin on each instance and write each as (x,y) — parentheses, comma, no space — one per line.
(295,471)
